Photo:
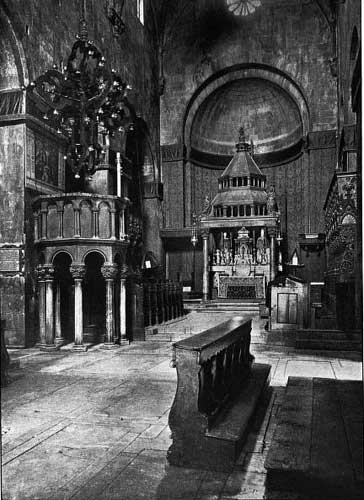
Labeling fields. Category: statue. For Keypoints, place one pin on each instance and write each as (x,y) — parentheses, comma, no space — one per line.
(206,205)
(261,248)
(271,201)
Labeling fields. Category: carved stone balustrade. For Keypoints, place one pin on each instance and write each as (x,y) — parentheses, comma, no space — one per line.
(79,220)
(79,215)
(217,391)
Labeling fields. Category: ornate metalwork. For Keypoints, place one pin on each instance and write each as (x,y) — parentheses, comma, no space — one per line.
(85,102)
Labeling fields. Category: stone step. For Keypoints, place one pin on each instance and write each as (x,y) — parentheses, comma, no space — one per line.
(225,439)
(332,345)
(317,446)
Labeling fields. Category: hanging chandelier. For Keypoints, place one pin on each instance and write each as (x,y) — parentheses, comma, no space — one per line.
(85,101)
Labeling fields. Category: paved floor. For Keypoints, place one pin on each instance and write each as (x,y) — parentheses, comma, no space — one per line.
(94,425)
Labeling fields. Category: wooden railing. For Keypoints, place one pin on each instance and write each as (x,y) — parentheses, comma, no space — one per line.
(163,301)
(212,368)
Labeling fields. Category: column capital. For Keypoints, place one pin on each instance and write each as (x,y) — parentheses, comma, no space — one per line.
(78,271)
(109,271)
(205,233)
(124,272)
(272,232)
(45,272)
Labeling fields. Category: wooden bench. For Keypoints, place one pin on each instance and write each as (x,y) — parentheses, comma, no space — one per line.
(218,388)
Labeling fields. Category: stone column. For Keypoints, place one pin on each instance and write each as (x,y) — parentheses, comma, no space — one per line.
(77,222)
(272,267)
(41,306)
(113,223)
(122,314)
(49,320)
(78,272)
(95,222)
(36,226)
(109,272)
(205,276)
(60,212)
(43,219)
(59,339)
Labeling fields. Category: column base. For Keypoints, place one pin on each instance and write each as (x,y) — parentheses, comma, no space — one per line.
(123,342)
(79,348)
(108,346)
(60,342)
(48,347)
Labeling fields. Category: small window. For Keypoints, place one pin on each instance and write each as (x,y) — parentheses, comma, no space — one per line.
(140,10)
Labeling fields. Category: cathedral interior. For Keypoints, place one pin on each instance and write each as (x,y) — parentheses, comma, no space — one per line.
(181,176)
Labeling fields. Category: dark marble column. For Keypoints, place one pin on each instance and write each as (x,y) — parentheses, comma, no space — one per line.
(123,277)
(205,276)
(41,306)
(78,272)
(109,272)
(47,328)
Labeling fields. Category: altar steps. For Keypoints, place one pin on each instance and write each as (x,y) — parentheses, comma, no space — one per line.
(247,306)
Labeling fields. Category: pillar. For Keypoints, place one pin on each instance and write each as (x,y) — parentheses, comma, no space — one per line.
(272,268)
(59,339)
(95,222)
(122,314)
(41,306)
(113,223)
(60,212)
(77,222)
(109,272)
(205,275)
(78,272)
(43,221)
(46,311)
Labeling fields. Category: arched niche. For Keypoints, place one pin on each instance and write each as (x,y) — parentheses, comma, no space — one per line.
(270,80)
(86,219)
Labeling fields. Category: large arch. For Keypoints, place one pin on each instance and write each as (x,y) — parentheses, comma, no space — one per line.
(240,72)
(16,64)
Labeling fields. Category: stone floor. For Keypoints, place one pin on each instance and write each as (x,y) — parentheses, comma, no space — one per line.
(94,425)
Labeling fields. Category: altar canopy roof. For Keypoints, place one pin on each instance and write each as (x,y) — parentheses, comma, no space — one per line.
(242,163)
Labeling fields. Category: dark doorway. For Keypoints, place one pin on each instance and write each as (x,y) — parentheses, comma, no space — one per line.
(94,299)
(63,280)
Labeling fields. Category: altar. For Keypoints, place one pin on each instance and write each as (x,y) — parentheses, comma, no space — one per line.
(240,232)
